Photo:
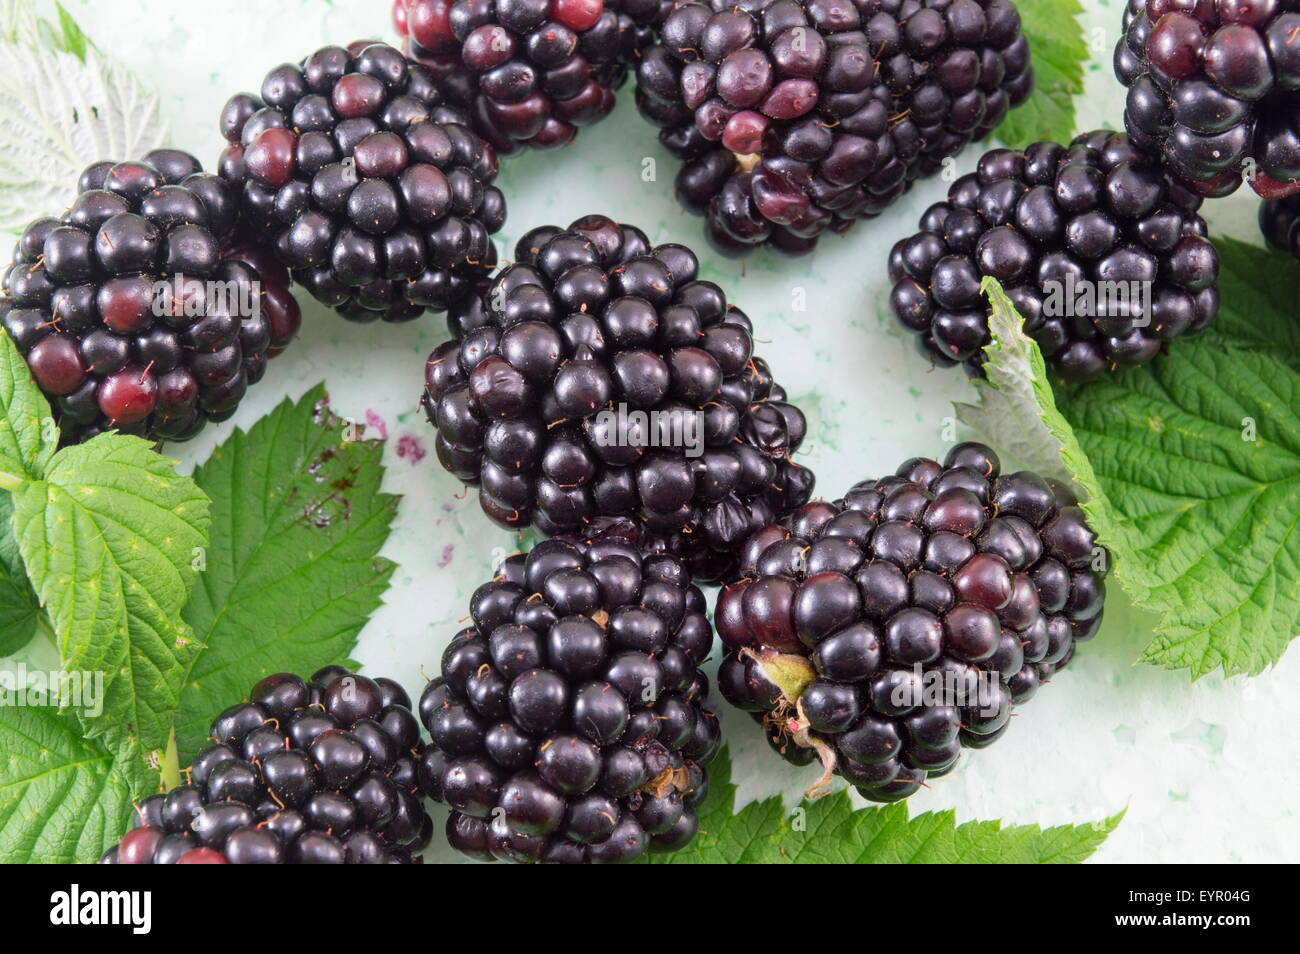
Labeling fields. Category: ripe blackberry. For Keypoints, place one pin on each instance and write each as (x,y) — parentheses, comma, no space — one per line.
(569,722)
(596,380)
(1277,220)
(305,772)
(533,71)
(365,183)
(1214,87)
(798,116)
(135,310)
(1105,258)
(862,626)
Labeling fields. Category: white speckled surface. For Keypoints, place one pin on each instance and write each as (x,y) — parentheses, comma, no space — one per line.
(1208,772)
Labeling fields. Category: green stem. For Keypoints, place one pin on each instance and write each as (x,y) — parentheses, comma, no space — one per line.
(9,482)
(169,765)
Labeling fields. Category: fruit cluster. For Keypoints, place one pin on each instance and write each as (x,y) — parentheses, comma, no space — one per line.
(1213,88)
(306,772)
(795,117)
(136,311)
(883,632)
(1054,225)
(597,379)
(568,723)
(365,182)
(532,71)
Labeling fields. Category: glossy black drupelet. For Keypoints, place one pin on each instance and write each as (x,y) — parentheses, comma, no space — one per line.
(569,722)
(365,182)
(136,311)
(565,364)
(798,116)
(1278,220)
(1104,257)
(1214,88)
(532,72)
(950,570)
(323,771)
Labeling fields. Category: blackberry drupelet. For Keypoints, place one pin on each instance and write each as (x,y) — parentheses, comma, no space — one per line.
(323,771)
(1277,220)
(1214,88)
(532,71)
(364,181)
(597,381)
(798,116)
(569,722)
(883,632)
(1104,256)
(136,311)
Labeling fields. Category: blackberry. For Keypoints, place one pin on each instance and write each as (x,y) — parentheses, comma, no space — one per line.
(1104,256)
(1214,88)
(798,116)
(136,310)
(598,381)
(569,722)
(319,771)
(885,631)
(364,181)
(1277,220)
(533,71)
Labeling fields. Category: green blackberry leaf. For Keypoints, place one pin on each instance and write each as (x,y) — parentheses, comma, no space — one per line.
(108,539)
(28,437)
(63,798)
(71,38)
(19,610)
(832,831)
(1258,291)
(294,571)
(1053,31)
(1191,469)
(1199,460)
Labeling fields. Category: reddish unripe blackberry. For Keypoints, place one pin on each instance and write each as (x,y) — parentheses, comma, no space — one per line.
(597,380)
(138,310)
(1105,258)
(319,771)
(1214,88)
(364,181)
(883,632)
(569,723)
(798,116)
(532,72)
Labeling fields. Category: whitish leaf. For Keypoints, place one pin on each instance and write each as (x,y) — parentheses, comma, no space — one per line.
(60,113)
